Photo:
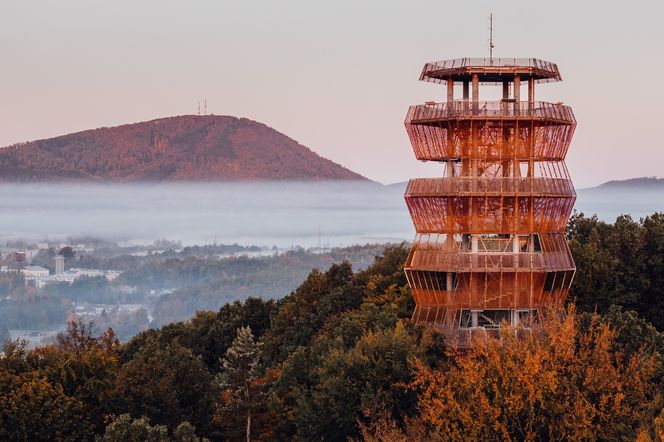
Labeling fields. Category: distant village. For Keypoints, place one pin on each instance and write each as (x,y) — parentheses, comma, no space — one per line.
(45,265)
(131,287)
(38,276)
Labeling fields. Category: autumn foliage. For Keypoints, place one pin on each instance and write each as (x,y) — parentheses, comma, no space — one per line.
(339,359)
(558,382)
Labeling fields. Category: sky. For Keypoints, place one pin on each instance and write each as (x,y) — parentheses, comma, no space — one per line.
(337,76)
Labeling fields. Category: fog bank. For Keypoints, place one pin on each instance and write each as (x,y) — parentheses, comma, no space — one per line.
(279,214)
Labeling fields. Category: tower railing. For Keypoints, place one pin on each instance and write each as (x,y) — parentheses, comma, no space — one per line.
(455,63)
(495,109)
(460,185)
(438,72)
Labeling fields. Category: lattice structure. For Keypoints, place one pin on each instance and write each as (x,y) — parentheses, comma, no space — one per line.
(490,246)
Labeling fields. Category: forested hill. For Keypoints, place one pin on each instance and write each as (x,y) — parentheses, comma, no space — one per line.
(191,147)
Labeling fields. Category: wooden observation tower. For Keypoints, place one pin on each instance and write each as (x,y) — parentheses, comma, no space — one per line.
(490,247)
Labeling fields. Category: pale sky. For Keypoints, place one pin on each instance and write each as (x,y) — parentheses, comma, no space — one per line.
(337,76)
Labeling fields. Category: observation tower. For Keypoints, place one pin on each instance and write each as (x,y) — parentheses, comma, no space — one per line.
(490,247)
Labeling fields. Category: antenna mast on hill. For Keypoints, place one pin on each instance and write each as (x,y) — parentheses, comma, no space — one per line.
(205,111)
(199,108)
(491,45)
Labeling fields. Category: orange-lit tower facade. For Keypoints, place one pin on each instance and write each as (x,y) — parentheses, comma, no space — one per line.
(490,247)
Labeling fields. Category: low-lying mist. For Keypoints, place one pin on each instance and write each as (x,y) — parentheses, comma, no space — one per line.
(278,214)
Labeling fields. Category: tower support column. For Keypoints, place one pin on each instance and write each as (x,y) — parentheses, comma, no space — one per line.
(450,90)
(476,93)
(531,90)
(517,88)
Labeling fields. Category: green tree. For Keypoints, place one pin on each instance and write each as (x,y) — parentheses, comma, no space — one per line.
(168,384)
(366,380)
(238,371)
(301,314)
(209,334)
(653,299)
(67,252)
(185,432)
(126,429)
(619,264)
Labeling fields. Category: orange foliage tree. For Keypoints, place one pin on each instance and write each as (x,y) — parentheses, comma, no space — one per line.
(558,382)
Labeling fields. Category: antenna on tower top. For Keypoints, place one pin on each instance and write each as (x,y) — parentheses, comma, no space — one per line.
(491,45)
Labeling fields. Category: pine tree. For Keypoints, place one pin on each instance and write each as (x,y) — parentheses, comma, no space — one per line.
(238,369)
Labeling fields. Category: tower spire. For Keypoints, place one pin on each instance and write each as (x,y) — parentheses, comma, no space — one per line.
(491,45)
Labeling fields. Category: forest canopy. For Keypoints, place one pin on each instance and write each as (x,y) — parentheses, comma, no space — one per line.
(339,359)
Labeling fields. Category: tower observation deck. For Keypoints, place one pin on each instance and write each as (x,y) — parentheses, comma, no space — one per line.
(490,247)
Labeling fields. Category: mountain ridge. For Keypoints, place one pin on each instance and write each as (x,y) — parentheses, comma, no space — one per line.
(637,183)
(181,148)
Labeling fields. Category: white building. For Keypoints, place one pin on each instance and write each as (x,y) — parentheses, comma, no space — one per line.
(71,275)
(34,272)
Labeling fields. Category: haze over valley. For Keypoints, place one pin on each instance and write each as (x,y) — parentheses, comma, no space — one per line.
(269,214)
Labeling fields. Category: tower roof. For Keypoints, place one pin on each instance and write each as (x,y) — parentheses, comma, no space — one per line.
(494,70)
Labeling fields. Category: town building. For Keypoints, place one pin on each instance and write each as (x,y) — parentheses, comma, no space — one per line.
(59,264)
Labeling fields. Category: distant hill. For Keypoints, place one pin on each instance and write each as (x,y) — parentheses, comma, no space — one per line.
(640,184)
(400,185)
(184,148)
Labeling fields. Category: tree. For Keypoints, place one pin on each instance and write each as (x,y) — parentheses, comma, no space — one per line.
(238,370)
(67,252)
(633,335)
(38,410)
(209,334)
(83,365)
(126,429)
(653,299)
(167,383)
(557,382)
(619,264)
(366,380)
(301,314)
(185,432)
(656,431)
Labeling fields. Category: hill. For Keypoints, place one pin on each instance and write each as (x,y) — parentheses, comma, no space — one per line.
(640,184)
(183,148)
